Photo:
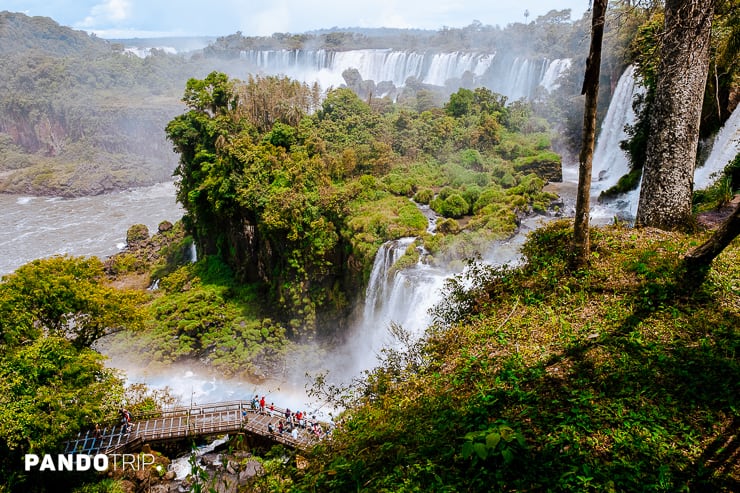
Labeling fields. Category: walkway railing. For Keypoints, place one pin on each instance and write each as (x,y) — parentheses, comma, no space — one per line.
(194,421)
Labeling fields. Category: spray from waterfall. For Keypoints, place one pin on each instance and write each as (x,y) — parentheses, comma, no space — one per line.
(193,253)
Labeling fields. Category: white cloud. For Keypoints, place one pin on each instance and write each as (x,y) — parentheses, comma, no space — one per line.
(110,11)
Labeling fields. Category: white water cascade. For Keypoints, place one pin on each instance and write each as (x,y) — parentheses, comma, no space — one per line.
(193,253)
(726,146)
(554,70)
(401,296)
(519,82)
(610,162)
(515,79)
(406,296)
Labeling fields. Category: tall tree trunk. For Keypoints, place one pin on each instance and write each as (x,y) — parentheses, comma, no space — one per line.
(581,243)
(668,172)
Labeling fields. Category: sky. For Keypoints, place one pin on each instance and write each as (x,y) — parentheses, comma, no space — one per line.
(156,18)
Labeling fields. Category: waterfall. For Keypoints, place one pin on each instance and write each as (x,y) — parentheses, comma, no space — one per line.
(377,287)
(193,253)
(555,69)
(406,296)
(446,66)
(514,79)
(610,162)
(401,296)
(726,146)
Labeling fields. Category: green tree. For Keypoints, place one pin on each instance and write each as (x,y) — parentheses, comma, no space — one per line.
(67,297)
(49,390)
(460,103)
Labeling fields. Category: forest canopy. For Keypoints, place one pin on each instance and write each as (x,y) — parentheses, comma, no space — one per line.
(298,192)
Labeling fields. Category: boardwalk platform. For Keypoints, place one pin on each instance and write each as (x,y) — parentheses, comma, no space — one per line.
(191,422)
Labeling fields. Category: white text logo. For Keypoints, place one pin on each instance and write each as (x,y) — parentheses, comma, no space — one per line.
(85,462)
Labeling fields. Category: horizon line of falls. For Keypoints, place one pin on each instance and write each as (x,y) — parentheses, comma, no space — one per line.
(514,78)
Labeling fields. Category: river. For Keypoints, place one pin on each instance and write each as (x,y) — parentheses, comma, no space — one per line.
(40,227)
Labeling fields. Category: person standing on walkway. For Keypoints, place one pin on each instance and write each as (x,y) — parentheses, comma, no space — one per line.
(97,437)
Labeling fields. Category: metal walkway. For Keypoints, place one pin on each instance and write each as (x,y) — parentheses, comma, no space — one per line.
(195,421)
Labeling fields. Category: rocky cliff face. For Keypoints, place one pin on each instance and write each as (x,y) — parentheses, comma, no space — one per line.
(76,152)
(80,116)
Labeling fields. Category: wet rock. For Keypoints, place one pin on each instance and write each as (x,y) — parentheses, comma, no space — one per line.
(128,486)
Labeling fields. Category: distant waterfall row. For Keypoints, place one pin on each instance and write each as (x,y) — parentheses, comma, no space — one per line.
(514,78)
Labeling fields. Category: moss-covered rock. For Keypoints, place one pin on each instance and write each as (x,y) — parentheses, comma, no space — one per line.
(547,165)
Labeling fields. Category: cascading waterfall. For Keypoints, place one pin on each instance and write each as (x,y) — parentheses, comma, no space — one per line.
(446,66)
(554,70)
(726,146)
(524,77)
(402,296)
(406,296)
(388,253)
(610,162)
(514,79)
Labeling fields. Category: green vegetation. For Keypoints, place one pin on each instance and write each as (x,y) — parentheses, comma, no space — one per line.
(297,194)
(64,297)
(200,312)
(723,190)
(617,378)
(82,116)
(52,384)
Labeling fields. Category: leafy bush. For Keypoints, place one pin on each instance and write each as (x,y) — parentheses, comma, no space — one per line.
(453,206)
(424,196)
(137,233)
(448,226)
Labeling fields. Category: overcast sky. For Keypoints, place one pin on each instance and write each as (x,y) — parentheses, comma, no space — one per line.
(146,18)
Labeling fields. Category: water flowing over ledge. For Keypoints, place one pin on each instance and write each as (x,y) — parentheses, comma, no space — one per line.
(515,78)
